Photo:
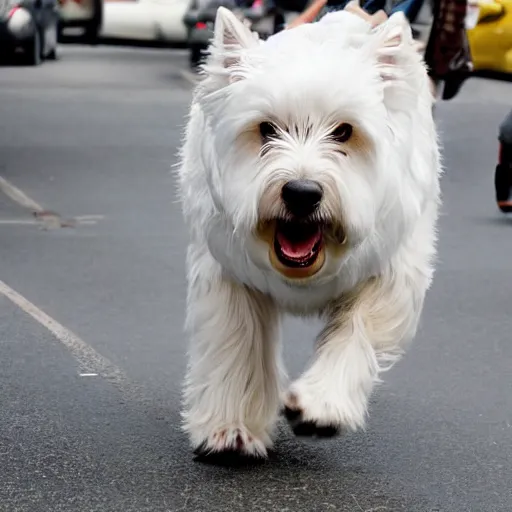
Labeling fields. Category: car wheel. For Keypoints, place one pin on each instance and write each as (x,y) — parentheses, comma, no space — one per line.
(33,51)
(91,34)
(60,33)
(92,30)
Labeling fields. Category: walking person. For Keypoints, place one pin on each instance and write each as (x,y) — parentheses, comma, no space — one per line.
(447,52)
(503,174)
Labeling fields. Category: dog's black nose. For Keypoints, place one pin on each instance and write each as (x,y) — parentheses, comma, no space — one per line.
(301,197)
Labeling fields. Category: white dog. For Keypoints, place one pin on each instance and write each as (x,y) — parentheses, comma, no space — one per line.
(309,180)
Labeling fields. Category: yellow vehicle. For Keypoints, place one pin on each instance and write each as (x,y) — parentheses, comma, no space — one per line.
(491,39)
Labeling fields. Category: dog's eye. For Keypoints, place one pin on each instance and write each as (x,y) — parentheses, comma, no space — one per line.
(342,133)
(268,131)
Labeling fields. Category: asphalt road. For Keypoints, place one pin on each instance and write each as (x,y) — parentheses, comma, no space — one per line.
(94,134)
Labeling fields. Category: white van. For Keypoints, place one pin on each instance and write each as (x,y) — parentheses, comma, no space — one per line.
(145,21)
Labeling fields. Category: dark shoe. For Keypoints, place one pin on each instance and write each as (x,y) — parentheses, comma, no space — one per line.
(503,184)
(453,82)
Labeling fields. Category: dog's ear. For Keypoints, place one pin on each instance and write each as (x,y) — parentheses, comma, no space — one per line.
(398,60)
(231,37)
(394,38)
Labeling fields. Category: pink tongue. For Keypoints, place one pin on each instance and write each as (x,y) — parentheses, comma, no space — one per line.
(299,249)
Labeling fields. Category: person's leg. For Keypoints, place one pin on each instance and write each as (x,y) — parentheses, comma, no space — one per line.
(503,173)
(309,14)
(503,178)
(319,7)
(372,6)
(448,56)
(410,8)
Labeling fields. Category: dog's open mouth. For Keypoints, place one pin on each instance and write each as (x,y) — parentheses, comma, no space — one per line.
(298,248)
(297,244)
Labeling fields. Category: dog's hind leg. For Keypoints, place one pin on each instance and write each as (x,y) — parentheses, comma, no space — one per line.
(232,388)
(364,332)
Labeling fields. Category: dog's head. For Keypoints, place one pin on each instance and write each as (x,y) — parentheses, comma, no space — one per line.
(319,141)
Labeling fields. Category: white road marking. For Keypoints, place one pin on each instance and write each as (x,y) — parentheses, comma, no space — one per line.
(85,220)
(89,360)
(88,218)
(88,375)
(16,222)
(19,196)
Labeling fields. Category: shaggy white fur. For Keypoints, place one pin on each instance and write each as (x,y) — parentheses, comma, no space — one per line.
(347,108)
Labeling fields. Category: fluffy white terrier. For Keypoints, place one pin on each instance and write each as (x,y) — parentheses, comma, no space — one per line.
(309,180)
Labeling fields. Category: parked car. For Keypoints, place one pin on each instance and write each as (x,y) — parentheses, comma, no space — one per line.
(491,39)
(86,15)
(28,30)
(200,17)
(147,21)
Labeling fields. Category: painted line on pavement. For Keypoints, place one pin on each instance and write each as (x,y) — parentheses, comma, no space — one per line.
(90,361)
(41,215)
(19,196)
(85,220)
(18,222)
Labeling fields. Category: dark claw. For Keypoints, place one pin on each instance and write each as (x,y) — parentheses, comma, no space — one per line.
(201,449)
(227,458)
(304,429)
(292,414)
(308,428)
(328,431)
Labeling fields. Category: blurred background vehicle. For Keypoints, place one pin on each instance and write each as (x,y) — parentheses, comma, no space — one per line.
(28,30)
(199,23)
(150,21)
(491,39)
(83,15)
(265,18)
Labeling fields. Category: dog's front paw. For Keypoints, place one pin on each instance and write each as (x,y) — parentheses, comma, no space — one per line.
(313,412)
(230,442)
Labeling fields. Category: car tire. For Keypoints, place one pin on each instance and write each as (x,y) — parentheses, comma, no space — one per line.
(91,34)
(33,51)
(60,33)
(93,29)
